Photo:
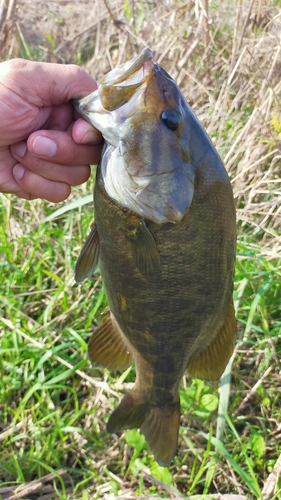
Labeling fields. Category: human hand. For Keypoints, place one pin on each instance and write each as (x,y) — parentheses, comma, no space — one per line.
(43,149)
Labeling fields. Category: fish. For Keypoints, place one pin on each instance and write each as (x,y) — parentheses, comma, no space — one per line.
(164,239)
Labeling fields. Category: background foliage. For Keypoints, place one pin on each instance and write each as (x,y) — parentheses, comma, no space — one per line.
(225,55)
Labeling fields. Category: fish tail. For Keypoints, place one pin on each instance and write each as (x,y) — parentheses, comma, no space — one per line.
(130,414)
(161,429)
(160,425)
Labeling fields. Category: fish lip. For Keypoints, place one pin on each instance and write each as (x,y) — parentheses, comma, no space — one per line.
(82,102)
(126,84)
(138,62)
(148,66)
(95,102)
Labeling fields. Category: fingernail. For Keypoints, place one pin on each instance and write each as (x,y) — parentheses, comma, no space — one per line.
(19,148)
(18,171)
(44,146)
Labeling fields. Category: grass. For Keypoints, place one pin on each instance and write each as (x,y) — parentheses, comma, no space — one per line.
(53,405)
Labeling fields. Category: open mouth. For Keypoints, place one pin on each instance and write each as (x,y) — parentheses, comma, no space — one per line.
(118,86)
(117,91)
(131,72)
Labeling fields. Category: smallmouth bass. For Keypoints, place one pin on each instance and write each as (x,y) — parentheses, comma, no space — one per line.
(164,238)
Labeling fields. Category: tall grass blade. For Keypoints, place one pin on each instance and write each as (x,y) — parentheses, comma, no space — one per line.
(247,478)
(224,392)
(80,202)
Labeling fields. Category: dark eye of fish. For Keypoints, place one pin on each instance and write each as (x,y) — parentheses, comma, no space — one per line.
(171,118)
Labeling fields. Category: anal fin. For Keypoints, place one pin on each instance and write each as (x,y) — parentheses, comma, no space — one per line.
(210,363)
(106,347)
(89,256)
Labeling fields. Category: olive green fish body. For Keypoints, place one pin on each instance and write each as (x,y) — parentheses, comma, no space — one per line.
(164,237)
(178,315)
(169,323)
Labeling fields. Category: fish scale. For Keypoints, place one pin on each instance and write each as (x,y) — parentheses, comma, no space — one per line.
(164,238)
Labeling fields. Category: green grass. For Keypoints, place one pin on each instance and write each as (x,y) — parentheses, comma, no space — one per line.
(53,405)
(57,406)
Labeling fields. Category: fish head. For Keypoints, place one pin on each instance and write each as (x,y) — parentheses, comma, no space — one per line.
(145,120)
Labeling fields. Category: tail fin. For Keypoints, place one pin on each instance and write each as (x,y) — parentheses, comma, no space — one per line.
(160,425)
(161,429)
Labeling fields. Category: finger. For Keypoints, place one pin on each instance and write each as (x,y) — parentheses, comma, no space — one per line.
(60,118)
(61,148)
(57,147)
(55,172)
(34,186)
(83,133)
(8,183)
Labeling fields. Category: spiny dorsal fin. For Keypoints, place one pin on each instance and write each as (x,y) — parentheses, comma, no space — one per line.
(210,364)
(89,256)
(106,347)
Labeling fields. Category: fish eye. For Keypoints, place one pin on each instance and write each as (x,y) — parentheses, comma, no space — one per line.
(171,118)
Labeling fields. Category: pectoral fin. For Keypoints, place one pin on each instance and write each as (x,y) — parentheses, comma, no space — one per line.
(89,256)
(145,252)
(106,347)
(210,363)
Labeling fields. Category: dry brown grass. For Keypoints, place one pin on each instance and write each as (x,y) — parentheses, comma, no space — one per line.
(225,56)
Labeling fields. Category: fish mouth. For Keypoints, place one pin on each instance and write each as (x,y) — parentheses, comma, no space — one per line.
(118,86)
(116,92)
(129,71)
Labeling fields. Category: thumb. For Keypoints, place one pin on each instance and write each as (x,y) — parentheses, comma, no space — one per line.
(46,84)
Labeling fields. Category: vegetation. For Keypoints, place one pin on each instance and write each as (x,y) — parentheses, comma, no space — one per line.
(53,406)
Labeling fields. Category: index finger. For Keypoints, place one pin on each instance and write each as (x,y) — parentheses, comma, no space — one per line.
(59,147)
